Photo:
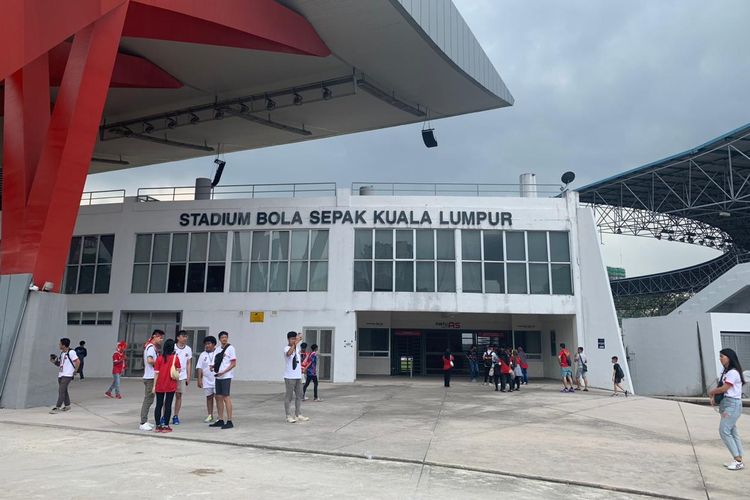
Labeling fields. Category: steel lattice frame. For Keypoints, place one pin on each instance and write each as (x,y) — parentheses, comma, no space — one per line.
(701,196)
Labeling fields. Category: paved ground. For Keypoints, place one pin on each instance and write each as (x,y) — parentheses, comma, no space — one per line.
(378,438)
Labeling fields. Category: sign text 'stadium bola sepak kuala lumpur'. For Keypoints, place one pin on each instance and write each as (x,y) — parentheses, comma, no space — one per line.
(354,217)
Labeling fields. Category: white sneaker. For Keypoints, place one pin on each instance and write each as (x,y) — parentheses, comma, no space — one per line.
(735,465)
(54,410)
(290,419)
(303,418)
(209,419)
(146,427)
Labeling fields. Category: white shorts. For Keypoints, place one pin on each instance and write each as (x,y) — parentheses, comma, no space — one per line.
(208,391)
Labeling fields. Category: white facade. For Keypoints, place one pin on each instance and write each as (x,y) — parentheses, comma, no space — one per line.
(585,317)
(678,354)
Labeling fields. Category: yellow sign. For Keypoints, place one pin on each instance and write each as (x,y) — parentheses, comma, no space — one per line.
(257,316)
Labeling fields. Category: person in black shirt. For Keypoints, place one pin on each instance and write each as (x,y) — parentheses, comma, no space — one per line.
(473,359)
(81,352)
(617,377)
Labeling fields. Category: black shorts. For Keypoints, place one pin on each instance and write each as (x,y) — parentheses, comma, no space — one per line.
(617,380)
(222,386)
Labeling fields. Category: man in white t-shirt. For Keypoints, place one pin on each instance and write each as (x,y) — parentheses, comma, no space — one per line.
(150,352)
(185,355)
(293,378)
(68,364)
(205,375)
(223,381)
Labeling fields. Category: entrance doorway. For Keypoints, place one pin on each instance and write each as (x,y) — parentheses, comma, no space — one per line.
(324,338)
(135,330)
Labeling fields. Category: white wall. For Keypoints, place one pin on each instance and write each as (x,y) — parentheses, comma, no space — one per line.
(664,353)
(598,318)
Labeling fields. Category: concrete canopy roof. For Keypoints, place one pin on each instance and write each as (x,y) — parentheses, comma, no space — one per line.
(384,70)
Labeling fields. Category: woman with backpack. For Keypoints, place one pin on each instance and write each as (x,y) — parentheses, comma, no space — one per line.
(166,374)
(728,395)
(447,367)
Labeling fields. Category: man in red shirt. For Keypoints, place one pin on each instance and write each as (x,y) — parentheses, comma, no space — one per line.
(566,371)
(118,368)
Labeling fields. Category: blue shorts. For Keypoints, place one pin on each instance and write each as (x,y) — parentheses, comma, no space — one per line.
(566,372)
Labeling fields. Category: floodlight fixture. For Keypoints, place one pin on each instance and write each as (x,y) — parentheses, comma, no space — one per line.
(327,94)
(270,104)
(297,99)
(171,123)
(147,128)
(194,118)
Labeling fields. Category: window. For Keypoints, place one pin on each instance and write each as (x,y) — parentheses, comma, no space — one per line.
(90,318)
(531,341)
(179,262)
(373,342)
(279,261)
(89,264)
(404,260)
(516,262)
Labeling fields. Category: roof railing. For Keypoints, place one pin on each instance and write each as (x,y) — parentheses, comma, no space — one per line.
(235,191)
(448,189)
(103,197)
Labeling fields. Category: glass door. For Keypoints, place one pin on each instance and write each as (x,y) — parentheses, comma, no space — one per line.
(135,330)
(195,335)
(324,338)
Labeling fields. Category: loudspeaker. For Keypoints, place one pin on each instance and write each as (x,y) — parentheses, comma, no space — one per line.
(429,138)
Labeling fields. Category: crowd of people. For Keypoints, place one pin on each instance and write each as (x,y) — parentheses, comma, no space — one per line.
(168,370)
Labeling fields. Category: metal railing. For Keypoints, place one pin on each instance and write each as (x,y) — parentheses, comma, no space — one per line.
(234,191)
(447,189)
(103,197)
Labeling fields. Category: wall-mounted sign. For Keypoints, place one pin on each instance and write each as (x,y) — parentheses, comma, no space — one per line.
(354,217)
(451,325)
(257,316)
(600,343)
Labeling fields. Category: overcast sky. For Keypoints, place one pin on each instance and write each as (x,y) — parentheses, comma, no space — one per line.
(600,86)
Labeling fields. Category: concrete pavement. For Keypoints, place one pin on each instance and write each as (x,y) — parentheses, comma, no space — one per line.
(539,441)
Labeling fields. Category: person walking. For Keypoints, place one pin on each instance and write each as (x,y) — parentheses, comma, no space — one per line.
(149,358)
(582,367)
(517,372)
(728,395)
(205,375)
(524,364)
(566,372)
(118,368)
(293,378)
(185,353)
(473,357)
(166,376)
(68,363)
(81,352)
(487,363)
(506,369)
(617,377)
(224,363)
(448,363)
(310,368)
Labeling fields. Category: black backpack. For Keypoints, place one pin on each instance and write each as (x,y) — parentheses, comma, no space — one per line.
(219,358)
(618,372)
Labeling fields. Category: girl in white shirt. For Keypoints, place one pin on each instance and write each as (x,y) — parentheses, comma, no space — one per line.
(730,406)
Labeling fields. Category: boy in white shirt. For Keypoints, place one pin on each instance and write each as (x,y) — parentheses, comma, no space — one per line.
(205,374)
(293,378)
(223,382)
(68,363)
(185,355)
